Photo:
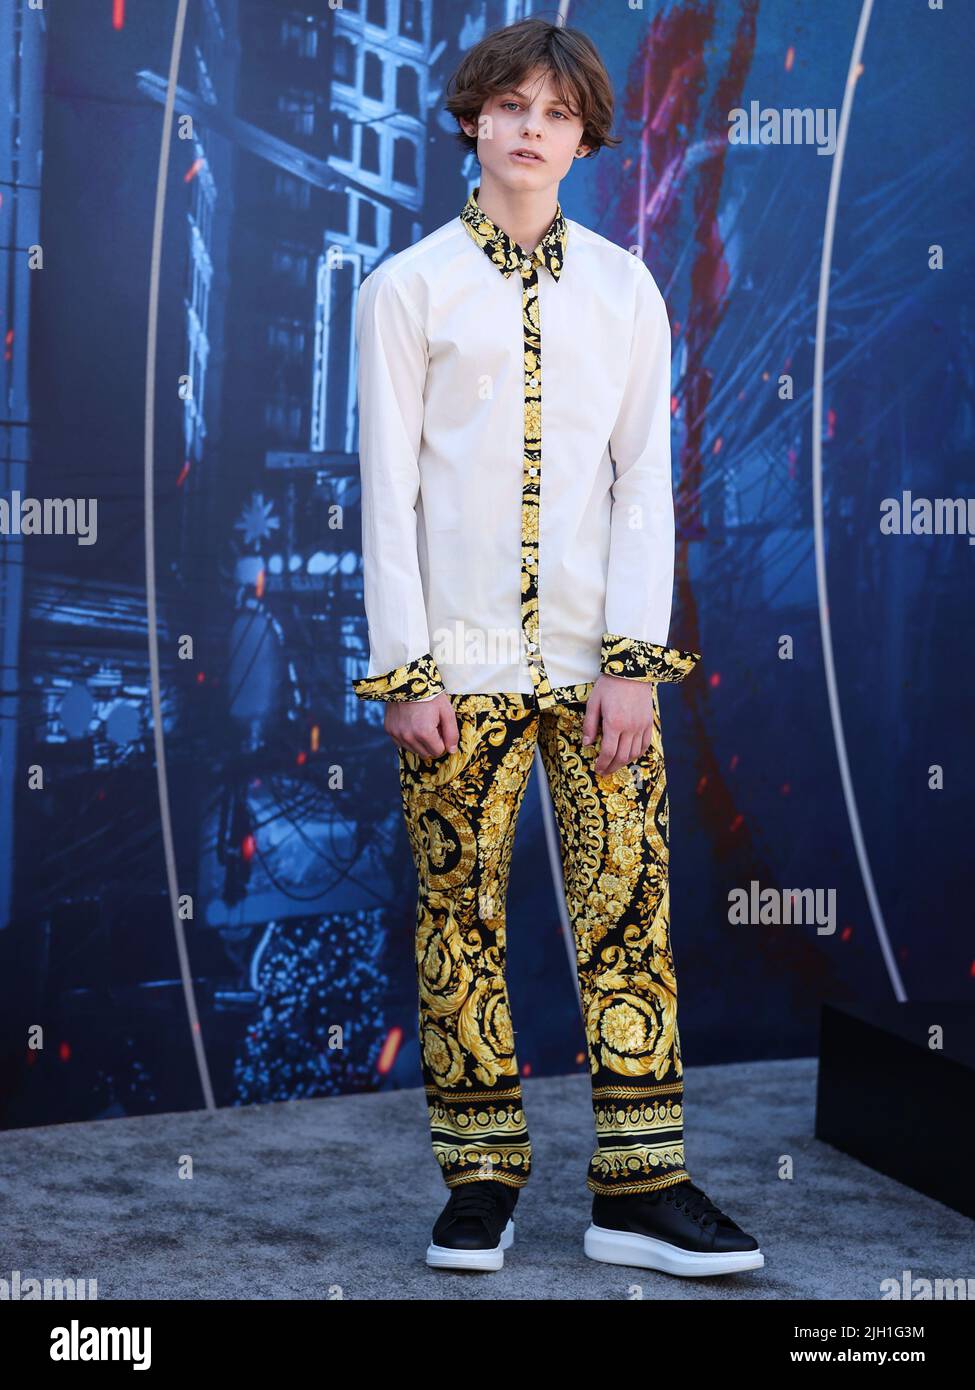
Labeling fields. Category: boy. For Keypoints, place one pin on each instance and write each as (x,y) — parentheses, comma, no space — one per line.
(518,546)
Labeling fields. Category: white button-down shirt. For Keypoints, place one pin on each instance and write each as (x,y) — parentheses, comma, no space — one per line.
(517,505)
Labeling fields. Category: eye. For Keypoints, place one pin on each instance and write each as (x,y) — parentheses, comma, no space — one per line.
(509,103)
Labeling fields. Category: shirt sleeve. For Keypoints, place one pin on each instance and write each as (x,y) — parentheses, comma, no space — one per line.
(640,579)
(392,365)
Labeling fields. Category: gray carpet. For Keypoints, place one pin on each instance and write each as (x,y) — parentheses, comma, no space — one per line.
(336,1198)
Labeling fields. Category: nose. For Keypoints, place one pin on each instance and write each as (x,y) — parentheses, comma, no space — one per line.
(529,127)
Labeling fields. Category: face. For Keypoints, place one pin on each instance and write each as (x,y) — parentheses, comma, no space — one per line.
(530,116)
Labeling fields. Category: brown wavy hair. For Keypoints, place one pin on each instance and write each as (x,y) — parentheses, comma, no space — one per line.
(501,59)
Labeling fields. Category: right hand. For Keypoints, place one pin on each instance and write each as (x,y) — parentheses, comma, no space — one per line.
(425,727)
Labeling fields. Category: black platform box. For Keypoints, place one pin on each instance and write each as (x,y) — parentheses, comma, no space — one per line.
(886,1097)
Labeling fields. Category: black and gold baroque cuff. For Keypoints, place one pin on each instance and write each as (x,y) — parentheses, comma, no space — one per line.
(644,661)
(414,681)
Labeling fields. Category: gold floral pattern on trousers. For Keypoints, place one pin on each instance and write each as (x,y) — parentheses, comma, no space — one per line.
(461,810)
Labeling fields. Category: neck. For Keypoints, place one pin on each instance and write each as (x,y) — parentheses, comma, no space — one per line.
(525,215)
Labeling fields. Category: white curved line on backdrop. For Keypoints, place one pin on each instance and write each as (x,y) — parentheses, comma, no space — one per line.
(817,454)
(157,722)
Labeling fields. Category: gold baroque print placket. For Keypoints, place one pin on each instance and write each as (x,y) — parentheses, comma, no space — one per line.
(507,256)
(531,482)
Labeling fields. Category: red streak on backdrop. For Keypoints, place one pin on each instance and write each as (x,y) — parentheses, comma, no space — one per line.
(672,193)
(390,1048)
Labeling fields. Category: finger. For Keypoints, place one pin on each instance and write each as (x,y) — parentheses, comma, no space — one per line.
(405,741)
(431,742)
(641,741)
(607,751)
(622,755)
(448,727)
(413,743)
(631,752)
(590,723)
(641,744)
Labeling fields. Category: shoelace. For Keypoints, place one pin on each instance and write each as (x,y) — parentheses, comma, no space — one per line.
(697,1204)
(473,1199)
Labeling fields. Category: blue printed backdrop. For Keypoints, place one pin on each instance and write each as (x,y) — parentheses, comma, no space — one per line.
(307,144)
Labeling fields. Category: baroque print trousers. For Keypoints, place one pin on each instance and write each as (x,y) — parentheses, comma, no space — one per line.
(461,811)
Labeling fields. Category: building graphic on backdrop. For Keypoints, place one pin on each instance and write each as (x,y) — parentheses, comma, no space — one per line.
(359,92)
(309,155)
(21,81)
(298,162)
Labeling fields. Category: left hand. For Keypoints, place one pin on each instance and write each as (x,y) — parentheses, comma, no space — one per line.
(624,708)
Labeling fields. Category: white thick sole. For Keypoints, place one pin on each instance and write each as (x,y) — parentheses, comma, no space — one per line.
(647,1252)
(442,1257)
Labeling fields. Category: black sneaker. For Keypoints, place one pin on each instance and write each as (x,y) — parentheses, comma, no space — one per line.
(676,1229)
(475,1228)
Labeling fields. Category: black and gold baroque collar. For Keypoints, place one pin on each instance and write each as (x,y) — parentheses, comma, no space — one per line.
(505,253)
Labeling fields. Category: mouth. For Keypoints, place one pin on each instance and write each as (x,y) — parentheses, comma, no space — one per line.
(524,157)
